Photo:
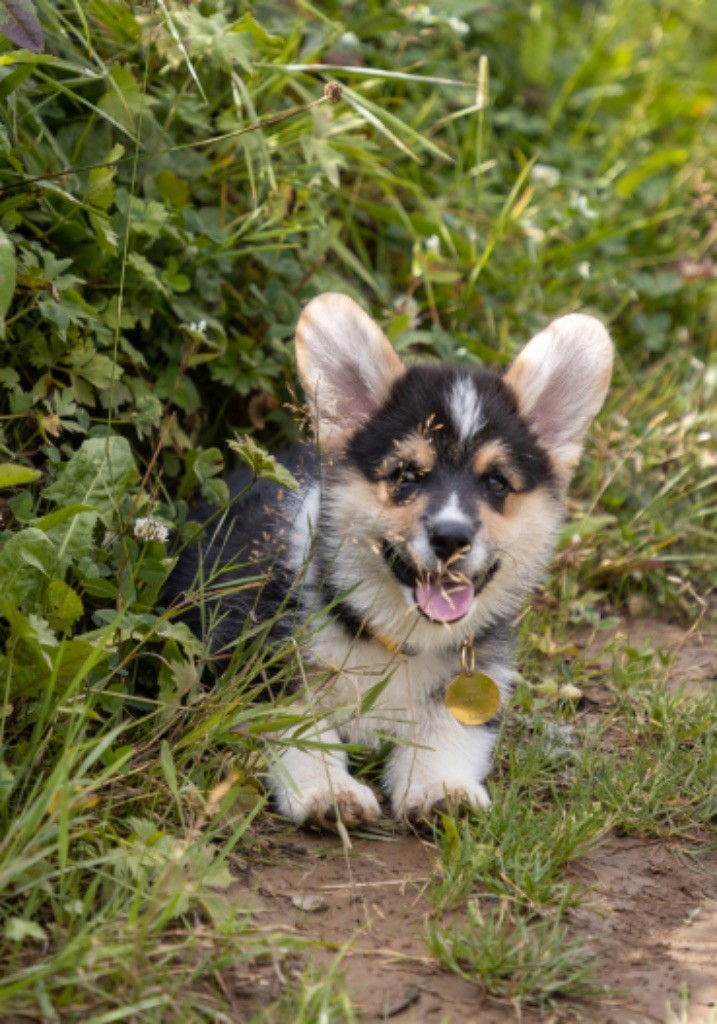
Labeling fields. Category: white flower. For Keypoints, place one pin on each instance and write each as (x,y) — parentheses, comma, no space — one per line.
(350,41)
(533,232)
(458,26)
(422,14)
(545,174)
(584,270)
(580,203)
(150,529)
(433,244)
(198,327)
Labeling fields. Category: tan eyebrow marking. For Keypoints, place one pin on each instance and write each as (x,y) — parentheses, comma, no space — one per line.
(495,456)
(415,449)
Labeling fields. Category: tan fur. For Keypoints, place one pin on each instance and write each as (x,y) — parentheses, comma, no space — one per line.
(379,644)
(415,450)
(368,510)
(494,456)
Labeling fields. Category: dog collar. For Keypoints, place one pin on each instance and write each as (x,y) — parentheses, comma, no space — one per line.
(358,627)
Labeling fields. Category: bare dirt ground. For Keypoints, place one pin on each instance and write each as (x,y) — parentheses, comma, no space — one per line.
(652,919)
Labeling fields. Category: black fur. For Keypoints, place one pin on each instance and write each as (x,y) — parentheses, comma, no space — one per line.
(419,400)
(247,542)
(242,548)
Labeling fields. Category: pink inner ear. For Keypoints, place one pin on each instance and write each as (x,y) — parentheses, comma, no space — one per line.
(355,403)
(555,416)
(560,379)
(346,363)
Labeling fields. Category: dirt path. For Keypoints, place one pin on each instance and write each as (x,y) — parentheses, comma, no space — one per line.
(655,923)
(652,919)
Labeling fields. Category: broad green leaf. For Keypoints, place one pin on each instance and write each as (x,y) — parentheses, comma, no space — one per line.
(180,632)
(259,33)
(262,463)
(75,537)
(215,491)
(207,464)
(28,627)
(9,378)
(106,590)
(28,561)
(73,655)
(54,519)
(105,235)
(35,643)
(22,507)
(99,370)
(18,929)
(63,605)
(13,80)
(45,658)
(173,189)
(154,570)
(13,475)
(100,182)
(7,276)
(124,98)
(19,22)
(98,475)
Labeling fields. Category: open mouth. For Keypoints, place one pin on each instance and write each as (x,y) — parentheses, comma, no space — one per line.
(440,598)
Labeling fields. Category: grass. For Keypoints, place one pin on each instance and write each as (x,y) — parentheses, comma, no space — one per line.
(165,223)
(645,769)
(513,957)
(318,996)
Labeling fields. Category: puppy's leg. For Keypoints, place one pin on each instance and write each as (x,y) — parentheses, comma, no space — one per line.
(444,762)
(315,786)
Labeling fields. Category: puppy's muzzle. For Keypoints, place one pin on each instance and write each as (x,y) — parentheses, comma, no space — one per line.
(450,537)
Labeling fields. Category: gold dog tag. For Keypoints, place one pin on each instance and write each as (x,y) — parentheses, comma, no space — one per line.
(472,697)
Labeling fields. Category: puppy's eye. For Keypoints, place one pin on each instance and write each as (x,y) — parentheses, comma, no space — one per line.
(495,483)
(404,475)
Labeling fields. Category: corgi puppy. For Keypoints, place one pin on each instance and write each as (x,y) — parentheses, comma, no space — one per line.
(428,509)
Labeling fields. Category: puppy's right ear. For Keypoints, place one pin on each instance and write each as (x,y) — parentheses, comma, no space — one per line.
(346,364)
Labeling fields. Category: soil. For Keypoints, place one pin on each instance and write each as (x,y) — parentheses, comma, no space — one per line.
(690,654)
(652,918)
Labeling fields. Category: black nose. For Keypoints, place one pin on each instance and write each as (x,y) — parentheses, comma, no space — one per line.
(449,537)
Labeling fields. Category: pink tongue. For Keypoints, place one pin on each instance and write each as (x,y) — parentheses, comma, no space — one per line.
(444,602)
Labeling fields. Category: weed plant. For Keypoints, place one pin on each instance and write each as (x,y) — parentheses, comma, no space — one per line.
(175,182)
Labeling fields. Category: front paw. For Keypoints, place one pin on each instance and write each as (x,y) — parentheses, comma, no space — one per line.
(324,805)
(419,803)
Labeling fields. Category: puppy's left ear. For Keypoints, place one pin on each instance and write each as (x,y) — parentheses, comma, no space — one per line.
(560,379)
(347,366)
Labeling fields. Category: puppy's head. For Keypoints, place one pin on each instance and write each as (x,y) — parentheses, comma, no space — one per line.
(443,486)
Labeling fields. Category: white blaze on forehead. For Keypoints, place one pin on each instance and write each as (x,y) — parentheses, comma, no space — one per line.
(465,408)
(451,511)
